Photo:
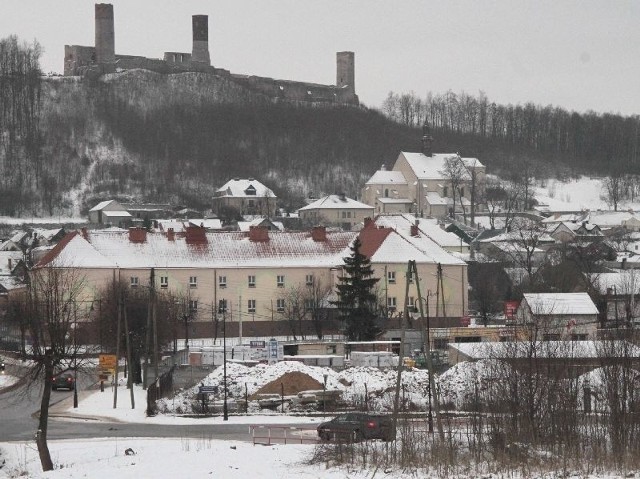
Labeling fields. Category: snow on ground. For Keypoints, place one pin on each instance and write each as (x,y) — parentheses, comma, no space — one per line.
(49,220)
(354,383)
(7,380)
(575,195)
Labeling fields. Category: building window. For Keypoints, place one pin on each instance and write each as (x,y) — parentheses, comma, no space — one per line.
(309,280)
(251,306)
(222,281)
(391,303)
(280,305)
(222,306)
(193,282)
(391,277)
(386,192)
(445,192)
(308,304)
(252,281)
(134,282)
(193,306)
(164,282)
(344,214)
(280,281)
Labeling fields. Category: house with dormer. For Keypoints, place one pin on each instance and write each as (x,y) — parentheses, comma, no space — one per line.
(248,197)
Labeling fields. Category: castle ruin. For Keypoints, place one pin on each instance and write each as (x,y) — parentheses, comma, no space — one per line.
(102,58)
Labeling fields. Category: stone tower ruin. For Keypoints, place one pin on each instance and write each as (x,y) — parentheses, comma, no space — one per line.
(105,37)
(345,77)
(200,49)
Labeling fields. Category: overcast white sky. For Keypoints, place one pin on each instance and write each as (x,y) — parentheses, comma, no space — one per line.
(581,54)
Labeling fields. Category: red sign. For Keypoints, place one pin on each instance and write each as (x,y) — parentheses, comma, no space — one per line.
(465,321)
(510,308)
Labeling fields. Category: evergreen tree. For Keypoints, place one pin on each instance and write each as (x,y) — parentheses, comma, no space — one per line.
(357,301)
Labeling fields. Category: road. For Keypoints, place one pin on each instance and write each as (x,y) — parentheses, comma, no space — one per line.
(19,422)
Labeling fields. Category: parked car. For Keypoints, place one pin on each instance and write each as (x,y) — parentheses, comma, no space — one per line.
(63,381)
(357,426)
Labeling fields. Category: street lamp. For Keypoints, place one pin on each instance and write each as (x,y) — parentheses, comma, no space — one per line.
(75,358)
(427,356)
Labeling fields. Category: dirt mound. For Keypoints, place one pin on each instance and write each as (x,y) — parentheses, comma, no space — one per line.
(293,382)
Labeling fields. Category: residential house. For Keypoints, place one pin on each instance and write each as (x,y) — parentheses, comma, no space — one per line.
(388,192)
(559,315)
(336,210)
(110,212)
(148,211)
(246,196)
(264,222)
(568,232)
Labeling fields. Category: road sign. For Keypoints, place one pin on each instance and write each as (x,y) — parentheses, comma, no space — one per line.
(108,362)
(208,389)
(257,344)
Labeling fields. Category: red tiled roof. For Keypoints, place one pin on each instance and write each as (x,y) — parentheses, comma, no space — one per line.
(55,251)
(372,238)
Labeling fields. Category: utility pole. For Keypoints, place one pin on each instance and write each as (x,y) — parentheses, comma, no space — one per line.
(147,347)
(119,314)
(427,349)
(403,322)
(225,411)
(128,343)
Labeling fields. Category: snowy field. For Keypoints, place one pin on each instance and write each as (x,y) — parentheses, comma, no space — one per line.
(7,380)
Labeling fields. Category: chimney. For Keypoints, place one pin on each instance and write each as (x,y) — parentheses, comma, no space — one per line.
(85,233)
(137,235)
(200,30)
(171,236)
(258,234)
(427,140)
(319,233)
(368,223)
(105,37)
(196,235)
(342,196)
(414,230)
(10,264)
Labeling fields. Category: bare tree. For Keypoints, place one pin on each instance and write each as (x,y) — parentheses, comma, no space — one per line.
(54,312)
(612,190)
(455,172)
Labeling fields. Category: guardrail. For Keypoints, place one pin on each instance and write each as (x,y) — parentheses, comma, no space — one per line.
(267,435)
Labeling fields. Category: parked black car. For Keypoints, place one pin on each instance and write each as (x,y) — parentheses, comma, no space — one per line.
(356,426)
(63,381)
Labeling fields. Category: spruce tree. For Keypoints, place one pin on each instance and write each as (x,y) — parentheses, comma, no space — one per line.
(357,301)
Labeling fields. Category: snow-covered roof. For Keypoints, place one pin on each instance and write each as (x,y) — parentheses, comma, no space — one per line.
(223,249)
(383,177)
(394,201)
(9,256)
(336,202)
(398,246)
(241,188)
(246,225)
(560,303)
(426,227)
(434,198)
(121,213)
(622,281)
(430,168)
(11,282)
(543,349)
(209,223)
(101,205)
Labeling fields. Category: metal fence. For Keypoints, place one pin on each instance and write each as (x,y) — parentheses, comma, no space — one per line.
(162,387)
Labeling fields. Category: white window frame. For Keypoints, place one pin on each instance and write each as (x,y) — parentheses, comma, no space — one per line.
(280,280)
(222,281)
(391,277)
(309,280)
(251,280)
(251,306)
(134,281)
(222,306)
(280,305)
(164,282)
(193,282)
(193,306)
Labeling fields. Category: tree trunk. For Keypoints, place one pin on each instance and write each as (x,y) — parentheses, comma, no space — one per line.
(41,434)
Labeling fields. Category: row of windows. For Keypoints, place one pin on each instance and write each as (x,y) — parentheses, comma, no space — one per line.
(392,303)
(222,281)
(391,277)
(223,305)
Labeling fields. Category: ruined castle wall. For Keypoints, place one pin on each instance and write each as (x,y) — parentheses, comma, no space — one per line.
(77,58)
(200,32)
